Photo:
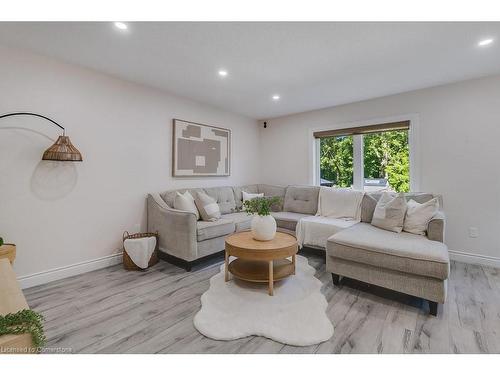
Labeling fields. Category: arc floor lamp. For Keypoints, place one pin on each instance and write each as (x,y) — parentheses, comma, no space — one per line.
(62,149)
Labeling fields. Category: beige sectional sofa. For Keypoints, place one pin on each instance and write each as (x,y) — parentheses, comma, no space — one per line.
(408,263)
(186,241)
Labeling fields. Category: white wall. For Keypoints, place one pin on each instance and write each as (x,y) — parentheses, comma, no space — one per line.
(62,214)
(66,214)
(459,139)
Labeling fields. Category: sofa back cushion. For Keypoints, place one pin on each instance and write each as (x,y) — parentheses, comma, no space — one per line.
(224,197)
(301,199)
(238,197)
(274,191)
(169,196)
(370,201)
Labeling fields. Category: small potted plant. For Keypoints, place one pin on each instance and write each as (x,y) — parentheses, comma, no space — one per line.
(263,224)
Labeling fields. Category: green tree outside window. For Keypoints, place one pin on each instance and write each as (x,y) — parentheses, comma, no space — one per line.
(386,155)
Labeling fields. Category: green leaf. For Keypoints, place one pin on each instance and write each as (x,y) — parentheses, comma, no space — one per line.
(260,205)
(24,321)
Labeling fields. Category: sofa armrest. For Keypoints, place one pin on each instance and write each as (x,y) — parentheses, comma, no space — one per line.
(436,227)
(176,228)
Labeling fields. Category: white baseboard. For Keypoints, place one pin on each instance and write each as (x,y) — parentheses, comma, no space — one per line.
(44,277)
(483,260)
(67,271)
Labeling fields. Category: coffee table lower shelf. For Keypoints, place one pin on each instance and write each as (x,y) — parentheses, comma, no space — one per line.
(258,271)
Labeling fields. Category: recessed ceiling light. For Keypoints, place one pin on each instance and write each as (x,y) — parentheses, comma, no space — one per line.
(276,97)
(485,42)
(121,25)
(223,73)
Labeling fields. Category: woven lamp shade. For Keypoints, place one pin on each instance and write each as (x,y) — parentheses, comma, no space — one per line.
(62,150)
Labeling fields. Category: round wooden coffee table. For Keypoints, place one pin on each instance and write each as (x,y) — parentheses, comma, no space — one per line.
(260,261)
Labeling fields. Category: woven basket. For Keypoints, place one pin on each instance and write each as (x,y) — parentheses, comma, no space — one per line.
(128,264)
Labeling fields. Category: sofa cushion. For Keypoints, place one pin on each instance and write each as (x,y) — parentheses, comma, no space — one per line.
(207,206)
(416,196)
(316,230)
(249,196)
(287,220)
(169,196)
(405,252)
(242,220)
(238,195)
(340,203)
(370,201)
(212,229)
(390,212)
(185,202)
(418,216)
(368,205)
(301,199)
(224,197)
(272,190)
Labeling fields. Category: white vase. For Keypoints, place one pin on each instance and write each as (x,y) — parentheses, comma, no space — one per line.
(263,227)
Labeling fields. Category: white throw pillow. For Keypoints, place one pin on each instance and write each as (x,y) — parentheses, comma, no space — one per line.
(340,203)
(185,202)
(390,212)
(248,196)
(418,216)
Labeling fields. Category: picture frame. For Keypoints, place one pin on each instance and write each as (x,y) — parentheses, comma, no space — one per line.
(200,150)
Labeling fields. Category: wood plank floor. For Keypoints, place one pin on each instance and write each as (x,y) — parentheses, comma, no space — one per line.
(115,311)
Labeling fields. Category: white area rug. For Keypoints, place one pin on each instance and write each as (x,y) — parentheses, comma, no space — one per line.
(295,315)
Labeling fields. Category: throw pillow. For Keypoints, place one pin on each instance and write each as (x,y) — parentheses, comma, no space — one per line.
(185,202)
(208,207)
(418,216)
(390,212)
(248,196)
(368,205)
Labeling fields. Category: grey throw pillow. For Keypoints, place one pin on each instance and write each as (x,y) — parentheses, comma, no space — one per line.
(390,212)
(208,207)
(368,205)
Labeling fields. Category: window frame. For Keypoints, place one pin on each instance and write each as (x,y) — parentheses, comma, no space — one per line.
(358,155)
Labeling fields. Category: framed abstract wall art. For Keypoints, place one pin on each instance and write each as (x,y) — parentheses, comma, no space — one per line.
(200,150)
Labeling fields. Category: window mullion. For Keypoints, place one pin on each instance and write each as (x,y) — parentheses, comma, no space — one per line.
(358,170)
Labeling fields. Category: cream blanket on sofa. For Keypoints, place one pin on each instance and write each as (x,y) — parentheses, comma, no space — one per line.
(338,209)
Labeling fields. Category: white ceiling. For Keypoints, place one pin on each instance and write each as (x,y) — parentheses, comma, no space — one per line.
(311,65)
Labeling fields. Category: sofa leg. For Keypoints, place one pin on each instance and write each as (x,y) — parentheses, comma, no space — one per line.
(188,266)
(433,308)
(336,279)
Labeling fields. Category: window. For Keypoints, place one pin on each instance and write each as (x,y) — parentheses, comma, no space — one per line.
(372,158)
(336,161)
(386,161)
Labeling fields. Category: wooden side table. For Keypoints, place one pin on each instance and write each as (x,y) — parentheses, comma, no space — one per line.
(260,261)
(8,251)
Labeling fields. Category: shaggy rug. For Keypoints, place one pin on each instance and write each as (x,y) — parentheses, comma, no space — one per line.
(295,315)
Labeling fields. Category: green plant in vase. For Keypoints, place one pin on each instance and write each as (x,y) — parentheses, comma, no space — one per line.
(263,224)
